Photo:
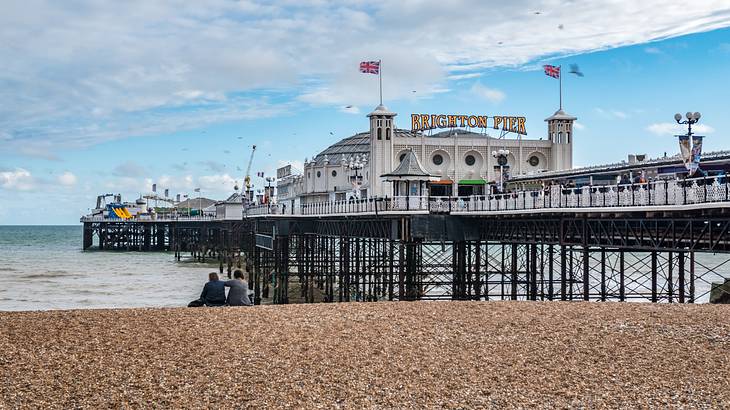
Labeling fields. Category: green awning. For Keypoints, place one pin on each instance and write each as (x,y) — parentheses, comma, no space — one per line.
(472,182)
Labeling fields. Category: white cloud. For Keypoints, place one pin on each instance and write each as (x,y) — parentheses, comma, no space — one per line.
(90,72)
(67,179)
(489,94)
(19,179)
(129,169)
(578,126)
(614,114)
(653,50)
(456,77)
(668,128)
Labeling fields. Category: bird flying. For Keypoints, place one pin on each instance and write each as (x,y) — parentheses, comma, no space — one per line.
(574,69)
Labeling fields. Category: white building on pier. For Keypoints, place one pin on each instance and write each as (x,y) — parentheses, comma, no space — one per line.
(459,160)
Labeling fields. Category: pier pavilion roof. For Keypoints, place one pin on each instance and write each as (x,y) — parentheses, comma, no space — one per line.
(408,169)
(358,144)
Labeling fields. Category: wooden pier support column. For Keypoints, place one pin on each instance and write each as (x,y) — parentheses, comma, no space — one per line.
(586,274)
(551,257)
(603,274)
(146,237)
(654,279)
(412,290)
(621,275)
(281,269)
(563,273)
(691,277)
(670,277)
(513,270)
(161,231)
(458,286)
(88,235)
(533,271)
(256,275)
(680,263)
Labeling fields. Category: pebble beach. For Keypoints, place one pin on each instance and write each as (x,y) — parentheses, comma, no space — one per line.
(369,355)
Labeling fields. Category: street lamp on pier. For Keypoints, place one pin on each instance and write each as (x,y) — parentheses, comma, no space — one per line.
(692,118)
(501,156)
(270,193)
(355,165)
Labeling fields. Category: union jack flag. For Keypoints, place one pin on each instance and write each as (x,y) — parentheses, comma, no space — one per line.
(370,67)
(552,71)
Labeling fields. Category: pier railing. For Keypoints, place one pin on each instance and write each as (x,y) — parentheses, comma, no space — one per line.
(159,218)
(661,193)
(655,193)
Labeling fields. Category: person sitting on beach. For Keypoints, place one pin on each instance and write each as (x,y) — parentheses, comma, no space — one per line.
(238,294)
(214,292)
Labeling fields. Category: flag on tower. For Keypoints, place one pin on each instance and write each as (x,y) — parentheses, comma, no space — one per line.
(552,71)
(370,67)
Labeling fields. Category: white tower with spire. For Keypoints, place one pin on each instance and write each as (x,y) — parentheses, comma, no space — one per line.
(382,131)
(560,133)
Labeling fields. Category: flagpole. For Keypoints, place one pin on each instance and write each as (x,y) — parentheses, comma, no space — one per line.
(380,78)
(560,78)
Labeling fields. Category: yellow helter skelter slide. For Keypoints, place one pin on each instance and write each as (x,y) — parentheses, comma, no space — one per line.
(122,213)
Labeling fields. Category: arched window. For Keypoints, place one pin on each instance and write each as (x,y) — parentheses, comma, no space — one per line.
(380,133)
(387,133)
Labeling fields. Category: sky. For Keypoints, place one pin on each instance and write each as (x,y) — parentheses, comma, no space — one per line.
(110,97)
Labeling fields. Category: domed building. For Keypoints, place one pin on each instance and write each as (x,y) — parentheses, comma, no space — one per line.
(460,161)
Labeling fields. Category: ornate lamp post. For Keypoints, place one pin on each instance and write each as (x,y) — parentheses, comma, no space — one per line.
(355,165)
(501,156)
(692,118)
(269,180)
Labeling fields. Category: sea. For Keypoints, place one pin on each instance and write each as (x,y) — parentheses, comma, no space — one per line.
(44,267)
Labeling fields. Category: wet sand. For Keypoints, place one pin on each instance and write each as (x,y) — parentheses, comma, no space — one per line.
(355,355)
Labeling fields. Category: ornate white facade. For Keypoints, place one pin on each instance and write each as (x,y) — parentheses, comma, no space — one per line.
(461,159)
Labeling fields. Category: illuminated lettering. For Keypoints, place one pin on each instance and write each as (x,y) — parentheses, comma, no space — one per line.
(415,121)
(501,122)
(482,121)
(452,120)
(424,121)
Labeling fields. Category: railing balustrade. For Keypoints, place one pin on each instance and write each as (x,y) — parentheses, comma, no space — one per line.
(655,193)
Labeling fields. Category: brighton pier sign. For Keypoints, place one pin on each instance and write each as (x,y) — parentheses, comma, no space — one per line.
(420,122)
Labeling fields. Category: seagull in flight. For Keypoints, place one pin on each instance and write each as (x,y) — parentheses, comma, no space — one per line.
(574,69)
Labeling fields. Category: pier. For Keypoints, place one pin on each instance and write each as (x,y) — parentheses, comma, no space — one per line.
(663,241)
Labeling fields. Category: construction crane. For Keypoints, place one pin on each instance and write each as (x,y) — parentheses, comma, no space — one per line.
(247,178)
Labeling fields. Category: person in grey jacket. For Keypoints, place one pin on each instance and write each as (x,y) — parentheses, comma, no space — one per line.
(238,294)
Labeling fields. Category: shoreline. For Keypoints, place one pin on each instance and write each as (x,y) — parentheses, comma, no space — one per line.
(354,355)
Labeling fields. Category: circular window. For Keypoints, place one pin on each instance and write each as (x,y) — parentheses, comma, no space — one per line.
(402,156)
(534,160)
(470,160)
(319,174)
(438,159)
(334,173)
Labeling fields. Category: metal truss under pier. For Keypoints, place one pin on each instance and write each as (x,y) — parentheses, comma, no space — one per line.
(652,256)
